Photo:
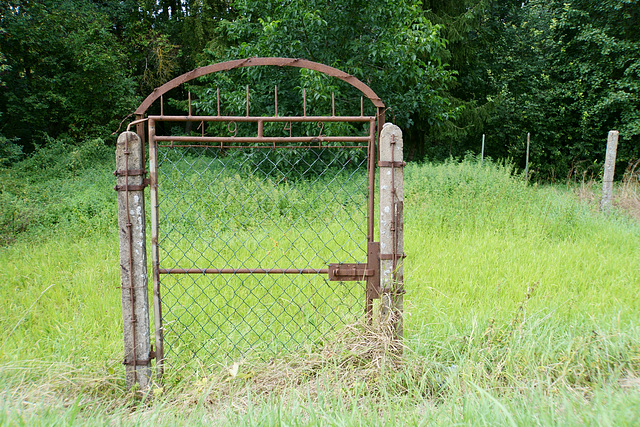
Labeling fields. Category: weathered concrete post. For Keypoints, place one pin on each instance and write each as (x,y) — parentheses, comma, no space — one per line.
(391,226)
(609,169)
(133,259)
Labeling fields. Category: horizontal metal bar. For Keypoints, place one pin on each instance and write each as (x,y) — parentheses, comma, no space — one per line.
(274,119)
(135,122)
(263,139)
(243,271)
(130,172)
(260,146)
(387,164)
(131,187)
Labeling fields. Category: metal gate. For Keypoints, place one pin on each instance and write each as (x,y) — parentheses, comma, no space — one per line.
(262,226)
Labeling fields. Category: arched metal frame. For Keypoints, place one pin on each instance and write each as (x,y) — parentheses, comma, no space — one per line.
(254,62)
(369,271)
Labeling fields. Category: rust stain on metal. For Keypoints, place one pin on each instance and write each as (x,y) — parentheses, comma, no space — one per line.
(251,62)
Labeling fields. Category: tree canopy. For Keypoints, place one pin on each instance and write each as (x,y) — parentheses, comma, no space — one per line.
(566,71)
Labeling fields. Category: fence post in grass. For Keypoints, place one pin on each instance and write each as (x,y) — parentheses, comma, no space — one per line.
(130,176)
(391,227)
(609,169)
(482,152)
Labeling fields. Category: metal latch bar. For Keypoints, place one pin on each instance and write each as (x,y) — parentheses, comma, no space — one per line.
(349,272)
(361,272)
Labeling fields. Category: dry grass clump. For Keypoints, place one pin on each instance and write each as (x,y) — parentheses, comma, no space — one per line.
(360,361)
(626,195)
(586,192)
(357,352)
(352,361)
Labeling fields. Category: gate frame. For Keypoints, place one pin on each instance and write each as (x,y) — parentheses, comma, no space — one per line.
(388,264)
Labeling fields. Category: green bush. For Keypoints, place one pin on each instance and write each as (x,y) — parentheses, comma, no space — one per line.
(59,184)
(9,151)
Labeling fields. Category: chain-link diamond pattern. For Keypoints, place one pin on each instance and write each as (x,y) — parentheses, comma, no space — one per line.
(257,208)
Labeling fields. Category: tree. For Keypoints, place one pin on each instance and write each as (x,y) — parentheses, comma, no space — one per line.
(65,73)
(472,29)
(166,38)
(389,45)
(569,71)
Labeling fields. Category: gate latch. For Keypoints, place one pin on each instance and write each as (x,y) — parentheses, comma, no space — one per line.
(361,272)
(349,272)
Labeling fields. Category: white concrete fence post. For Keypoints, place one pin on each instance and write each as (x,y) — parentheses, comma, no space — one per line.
(133,260)
(609,169)
(392,227)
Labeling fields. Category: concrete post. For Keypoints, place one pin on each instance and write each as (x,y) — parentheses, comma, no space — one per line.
(609,169)
(391,226)
(133,260)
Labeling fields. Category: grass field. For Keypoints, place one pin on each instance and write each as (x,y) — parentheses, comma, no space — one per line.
(521,309)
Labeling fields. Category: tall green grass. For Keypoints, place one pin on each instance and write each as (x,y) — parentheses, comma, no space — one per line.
(522,309)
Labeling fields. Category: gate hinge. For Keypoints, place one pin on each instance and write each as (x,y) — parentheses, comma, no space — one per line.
(133,187)
(388,164)
(140,362)
(130,172)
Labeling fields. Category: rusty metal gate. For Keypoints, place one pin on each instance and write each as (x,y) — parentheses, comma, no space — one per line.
(262,226)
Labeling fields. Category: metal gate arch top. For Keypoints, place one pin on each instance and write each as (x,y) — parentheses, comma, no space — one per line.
(253,62)
(176,162)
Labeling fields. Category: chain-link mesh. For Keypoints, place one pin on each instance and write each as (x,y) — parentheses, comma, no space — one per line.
(248,208)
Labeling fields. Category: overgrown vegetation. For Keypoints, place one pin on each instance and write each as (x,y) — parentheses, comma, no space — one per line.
(61,185)
(449,71)
(522,308)
(522,304)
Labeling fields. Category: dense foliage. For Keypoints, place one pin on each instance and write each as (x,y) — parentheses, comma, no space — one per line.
(566,71)
(569,72)
(64,74)
(388,44)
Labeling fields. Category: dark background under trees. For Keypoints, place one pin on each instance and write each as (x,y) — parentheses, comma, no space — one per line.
(450,70)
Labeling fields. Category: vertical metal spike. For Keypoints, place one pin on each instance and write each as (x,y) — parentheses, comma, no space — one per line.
(361,106)
(161,105)
(218,98)
(189,103)
(276,98)
(333,104)
(247,100)
(304,102)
